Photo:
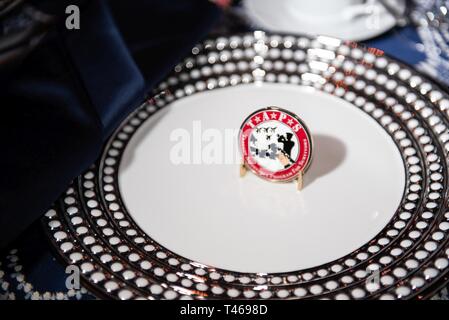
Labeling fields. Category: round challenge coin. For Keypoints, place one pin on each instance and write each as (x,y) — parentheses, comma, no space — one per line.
(275,145)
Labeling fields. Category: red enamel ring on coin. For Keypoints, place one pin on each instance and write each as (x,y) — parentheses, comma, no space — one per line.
(275,145)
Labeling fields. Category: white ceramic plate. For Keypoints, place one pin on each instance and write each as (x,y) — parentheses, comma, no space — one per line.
(371,221)
(353,187)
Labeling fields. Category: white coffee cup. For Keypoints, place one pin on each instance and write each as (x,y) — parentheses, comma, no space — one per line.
(345,19)
(320,8)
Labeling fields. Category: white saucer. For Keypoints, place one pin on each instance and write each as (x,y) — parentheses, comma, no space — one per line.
(209,214)
(281,16)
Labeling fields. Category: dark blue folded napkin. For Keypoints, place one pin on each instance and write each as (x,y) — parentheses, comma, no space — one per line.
(60,104)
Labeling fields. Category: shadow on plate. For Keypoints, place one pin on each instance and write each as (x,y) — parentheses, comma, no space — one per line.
(328,154)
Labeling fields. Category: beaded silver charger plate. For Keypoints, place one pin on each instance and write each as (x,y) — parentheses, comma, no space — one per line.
(123,243)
